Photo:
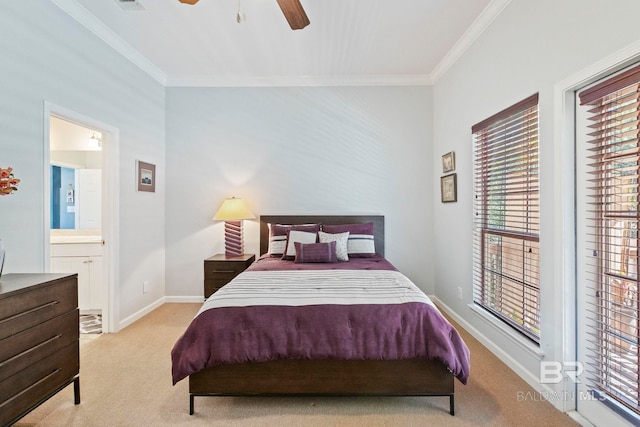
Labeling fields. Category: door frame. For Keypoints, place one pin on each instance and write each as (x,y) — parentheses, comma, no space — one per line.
(110,204)
(565,209)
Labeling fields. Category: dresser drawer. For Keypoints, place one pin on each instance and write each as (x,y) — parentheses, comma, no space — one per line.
(26,348)
(20,391)
(27,309)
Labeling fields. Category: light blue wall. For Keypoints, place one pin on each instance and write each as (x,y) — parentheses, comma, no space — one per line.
(45,55)
(306,150)
(530,47)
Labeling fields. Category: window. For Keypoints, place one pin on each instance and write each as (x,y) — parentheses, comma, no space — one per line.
(613,141)
(506,217)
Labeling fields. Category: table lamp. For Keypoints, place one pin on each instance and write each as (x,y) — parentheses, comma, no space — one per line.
(232,211)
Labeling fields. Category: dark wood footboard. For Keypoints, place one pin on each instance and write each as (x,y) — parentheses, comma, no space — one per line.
(325,377)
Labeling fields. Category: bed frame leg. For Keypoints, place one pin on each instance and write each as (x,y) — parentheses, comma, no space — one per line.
(191,399)
(451,405)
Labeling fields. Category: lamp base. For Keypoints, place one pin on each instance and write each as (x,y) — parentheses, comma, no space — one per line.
(233,238)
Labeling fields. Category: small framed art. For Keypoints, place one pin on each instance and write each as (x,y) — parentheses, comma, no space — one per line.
(146,176)
(448,162)
(449,188)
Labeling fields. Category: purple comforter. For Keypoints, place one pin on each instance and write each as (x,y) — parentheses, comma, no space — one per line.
(350,332)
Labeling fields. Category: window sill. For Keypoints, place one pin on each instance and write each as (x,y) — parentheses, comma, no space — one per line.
(616,407)
(507,332)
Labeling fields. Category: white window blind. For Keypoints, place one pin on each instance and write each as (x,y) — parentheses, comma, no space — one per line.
(506,217)
(612,292)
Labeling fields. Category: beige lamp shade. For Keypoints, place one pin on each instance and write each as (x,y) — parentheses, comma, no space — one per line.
(233,210)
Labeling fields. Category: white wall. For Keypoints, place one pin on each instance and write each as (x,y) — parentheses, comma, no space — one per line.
(47,56)
(323,150)
(529,48)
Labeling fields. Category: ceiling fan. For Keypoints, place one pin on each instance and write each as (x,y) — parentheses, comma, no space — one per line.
(292,10)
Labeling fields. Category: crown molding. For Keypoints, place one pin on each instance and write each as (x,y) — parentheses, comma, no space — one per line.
(481,23)
(97,27)
(298,81)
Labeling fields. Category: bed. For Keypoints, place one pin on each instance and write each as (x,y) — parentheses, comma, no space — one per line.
(320,363)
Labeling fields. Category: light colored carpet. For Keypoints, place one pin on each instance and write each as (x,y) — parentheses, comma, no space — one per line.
(126,381)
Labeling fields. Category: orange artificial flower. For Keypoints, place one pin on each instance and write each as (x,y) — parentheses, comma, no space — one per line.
(8,183)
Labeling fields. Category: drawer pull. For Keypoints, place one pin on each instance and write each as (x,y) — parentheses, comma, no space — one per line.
(40,307)
(41,380)
(224,271)
(32,349)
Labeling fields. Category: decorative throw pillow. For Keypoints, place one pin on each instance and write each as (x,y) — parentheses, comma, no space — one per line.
(341,240)
(278,236)
(361,243)
(297,236)
(315,252)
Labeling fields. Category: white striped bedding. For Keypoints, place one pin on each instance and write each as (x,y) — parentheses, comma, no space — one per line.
(316,287)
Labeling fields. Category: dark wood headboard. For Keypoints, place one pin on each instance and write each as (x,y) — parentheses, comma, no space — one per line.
(378,225)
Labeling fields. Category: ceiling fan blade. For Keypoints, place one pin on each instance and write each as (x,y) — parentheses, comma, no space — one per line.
(294,13)
(188,1)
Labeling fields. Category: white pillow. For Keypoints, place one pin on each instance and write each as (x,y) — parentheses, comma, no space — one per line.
(341,240)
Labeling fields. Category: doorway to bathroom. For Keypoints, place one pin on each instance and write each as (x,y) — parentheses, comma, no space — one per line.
(80,216)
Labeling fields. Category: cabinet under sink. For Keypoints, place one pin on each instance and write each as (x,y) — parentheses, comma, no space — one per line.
(85,259)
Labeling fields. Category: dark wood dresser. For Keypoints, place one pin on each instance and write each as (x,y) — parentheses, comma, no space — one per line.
(220,269)
(39,341)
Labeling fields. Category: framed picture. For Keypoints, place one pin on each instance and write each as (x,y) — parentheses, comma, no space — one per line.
(146,176)
(449,188)
(448,162)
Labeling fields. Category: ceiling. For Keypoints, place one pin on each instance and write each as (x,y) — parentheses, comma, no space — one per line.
(347,42)
(67,136)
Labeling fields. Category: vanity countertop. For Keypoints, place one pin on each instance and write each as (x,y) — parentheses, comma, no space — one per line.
(75,239)
(75,236)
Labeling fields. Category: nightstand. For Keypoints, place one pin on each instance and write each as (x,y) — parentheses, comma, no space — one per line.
(220,269)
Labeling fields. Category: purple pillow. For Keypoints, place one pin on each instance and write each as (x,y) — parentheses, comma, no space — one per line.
(315,252)
(361,243)
(278,236)
(297,236)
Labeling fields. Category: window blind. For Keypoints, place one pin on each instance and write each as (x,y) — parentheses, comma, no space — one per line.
(614,135)
(506,217)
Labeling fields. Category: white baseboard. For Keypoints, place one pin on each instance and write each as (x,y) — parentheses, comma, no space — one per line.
(499,352)
(140,313)
(183,299)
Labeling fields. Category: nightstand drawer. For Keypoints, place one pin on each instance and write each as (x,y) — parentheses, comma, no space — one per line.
(24,349)
(220,270)
(39,305)
(223,268)
(222,276)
